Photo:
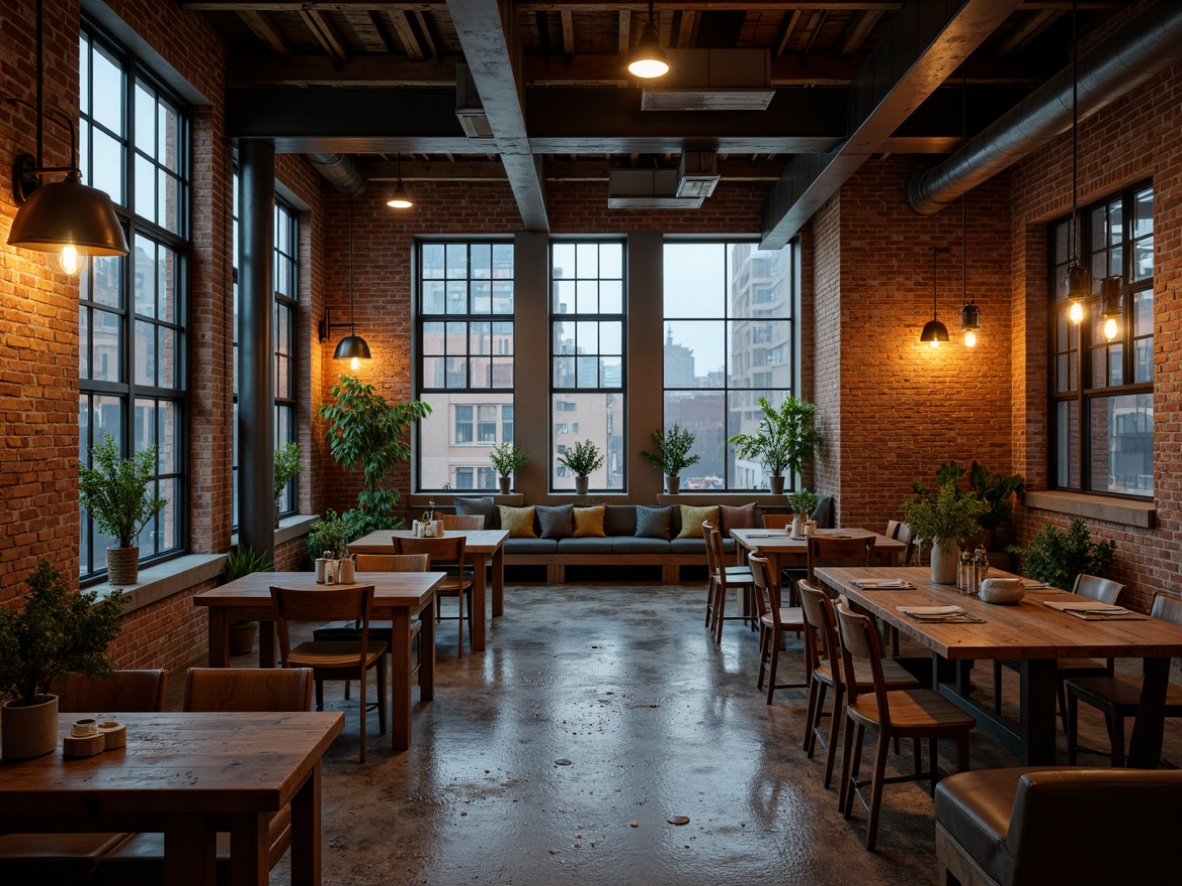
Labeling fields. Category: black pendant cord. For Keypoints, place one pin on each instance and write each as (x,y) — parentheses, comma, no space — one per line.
(41,86)
(964,198)
(650,11)
(935,272)
(1074,136)
(352,315)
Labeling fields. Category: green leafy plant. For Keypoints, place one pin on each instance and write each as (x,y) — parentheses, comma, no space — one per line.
(365,432)
(785,438)
(803,502)
(583,459)
(508,458)
(244,560)
(1057,557)
(943,517)
(59,632)
(330,533)
(118,493)
(287,467)
(673,448)
(997,491)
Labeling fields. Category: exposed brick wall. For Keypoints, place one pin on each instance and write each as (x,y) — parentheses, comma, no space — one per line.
(826,329)
(170,633)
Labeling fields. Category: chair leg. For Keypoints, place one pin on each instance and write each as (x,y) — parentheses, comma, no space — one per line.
(363,692)
(855,768)
(846,756)
(880,758)
(834,726)
(1118,740)
(710,602)
(933,764)
(348,683)
(816,711)
(997,687)
(719,611)
(382,718)
(764,635)
(774,643)
(1062,703)
(320,695)
(1072,728)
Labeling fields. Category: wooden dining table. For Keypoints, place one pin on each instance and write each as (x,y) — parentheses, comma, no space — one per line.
(482,548)
(1029,633)
(188,776)
(783,551)
(398,596)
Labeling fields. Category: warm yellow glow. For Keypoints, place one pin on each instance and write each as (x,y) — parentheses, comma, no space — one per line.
(970,339)
(397,202)
(1110,328)
(1077,312)
(935,343)
(355,364)
(71,260)
(649,67)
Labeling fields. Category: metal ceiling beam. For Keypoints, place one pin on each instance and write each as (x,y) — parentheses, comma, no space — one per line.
(601,5)
(923,46)
(489,36)
(555,170)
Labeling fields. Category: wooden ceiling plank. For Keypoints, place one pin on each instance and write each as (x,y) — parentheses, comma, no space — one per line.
(366,31)
(262,26)
(1026,30)
(857,32)
(787,26)
(377,71)
(568,31)
(685,34)
(400,22)
(625,40)
(326,33)
(430,45)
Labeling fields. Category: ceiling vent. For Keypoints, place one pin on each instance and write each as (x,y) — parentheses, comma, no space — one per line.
(469,108)
(697,175)
(647,189)
(712,80)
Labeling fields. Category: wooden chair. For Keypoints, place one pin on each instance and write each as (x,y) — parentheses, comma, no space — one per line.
(825,550)
(722,579)
(462,521)
(823,655)
(774,622)
(447,555)
(71,858)
(906,713)
(333,659)
(1118,698)
(392,563)
(1093,587)
(903,534)
(140,859)
(777,521)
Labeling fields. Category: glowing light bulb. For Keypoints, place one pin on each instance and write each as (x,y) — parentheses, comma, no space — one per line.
(970,339)
(71,260)
(1110,328)
(1076,314)
(934,343)
(355,364)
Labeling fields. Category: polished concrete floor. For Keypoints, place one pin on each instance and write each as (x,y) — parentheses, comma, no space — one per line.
(597,715)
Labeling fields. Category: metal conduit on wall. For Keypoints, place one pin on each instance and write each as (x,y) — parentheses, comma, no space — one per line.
(1145,46)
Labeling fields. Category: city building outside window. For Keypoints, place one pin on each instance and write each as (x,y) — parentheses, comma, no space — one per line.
(1101,388)
(134,144)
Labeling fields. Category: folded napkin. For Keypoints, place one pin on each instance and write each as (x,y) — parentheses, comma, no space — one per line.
(870,584)
(930,611)
(1032,584)
(1093,610)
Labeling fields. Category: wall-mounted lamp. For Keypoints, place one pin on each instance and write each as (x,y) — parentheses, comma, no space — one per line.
(648,60)
(64,217)
(934,331)
(1110,306)
(400,199)
(352,347)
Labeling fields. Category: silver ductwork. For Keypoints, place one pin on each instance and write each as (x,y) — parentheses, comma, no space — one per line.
(342,171)
(1145,46)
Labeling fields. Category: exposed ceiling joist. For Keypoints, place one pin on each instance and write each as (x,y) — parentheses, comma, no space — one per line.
(430,47)
(400,22)
(326,33)
(625,41)
(262,26)
(857,32)
(362,24)
(568,31)
(787,26)
(1032,25)
(920,50)
(488,34)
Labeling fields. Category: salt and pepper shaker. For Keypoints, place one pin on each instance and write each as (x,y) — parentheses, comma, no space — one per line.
(964,578)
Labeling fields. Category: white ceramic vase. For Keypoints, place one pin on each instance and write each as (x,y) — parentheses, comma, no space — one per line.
(945,558)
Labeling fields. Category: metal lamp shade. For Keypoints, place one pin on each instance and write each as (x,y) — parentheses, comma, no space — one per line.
(648,59)
(400,199)
(68,213)
(934,330)
(352,347)
(970,317)
(1078,282)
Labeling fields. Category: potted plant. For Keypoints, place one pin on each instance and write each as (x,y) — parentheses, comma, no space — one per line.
(784,440)
(329,539)
(287,468)
(118,493)
(998,492)
(672,455)
(942,522)
(803,503)
(1057,557)
(243,560)
(507,459)
(581,460)
(59,632)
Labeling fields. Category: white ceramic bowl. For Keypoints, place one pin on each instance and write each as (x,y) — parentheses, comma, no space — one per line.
(1002,590)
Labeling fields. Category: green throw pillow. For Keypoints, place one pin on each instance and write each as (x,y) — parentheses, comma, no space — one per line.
(692,519)
(519,522)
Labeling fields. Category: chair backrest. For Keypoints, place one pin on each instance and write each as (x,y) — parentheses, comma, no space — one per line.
(131,691)
(825,550)
(903,534)
(1095,588)
(296,604)
(892,528)
(767,588)
(248,689)
(446,552)
(393,562)
(713,563)
(859,641)
(462,521)
(777,521)
(820,637)
(1167,608)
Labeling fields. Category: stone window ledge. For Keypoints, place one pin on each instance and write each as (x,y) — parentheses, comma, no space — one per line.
(1141,514)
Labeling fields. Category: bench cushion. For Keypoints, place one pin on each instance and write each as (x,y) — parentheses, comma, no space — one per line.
(741,517)
(688,546)
(692,519)
(483,507)
(589,545)
(531,545)
(630,545)
(653,522)
(619,520)
(518,521)
(556,522)
(589,522)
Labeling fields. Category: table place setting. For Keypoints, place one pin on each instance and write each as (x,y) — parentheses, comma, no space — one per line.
(882,584)
(950,613)
(1093,610)
(1033,584)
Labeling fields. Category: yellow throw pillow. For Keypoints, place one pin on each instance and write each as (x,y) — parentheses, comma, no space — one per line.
(589,522)
(519,522)
(692,518)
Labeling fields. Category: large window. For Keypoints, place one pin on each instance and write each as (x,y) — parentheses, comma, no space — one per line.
(465,366)
(1101,387)
(588,374)
(729,340)
(134,144)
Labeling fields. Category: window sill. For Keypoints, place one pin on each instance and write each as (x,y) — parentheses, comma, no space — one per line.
(1142,515)
(448,499)
(165,579)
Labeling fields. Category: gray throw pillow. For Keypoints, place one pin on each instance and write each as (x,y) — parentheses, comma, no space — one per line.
(556,522)
(653,522)
(485,507)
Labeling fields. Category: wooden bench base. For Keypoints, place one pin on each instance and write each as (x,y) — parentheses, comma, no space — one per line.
(556,564)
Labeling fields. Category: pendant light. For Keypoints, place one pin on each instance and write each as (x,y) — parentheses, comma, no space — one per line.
(934,331)
(1078,282)
(648,60)
(400,199)
(970,316)
(64,217)
(352,347)
(1110,306)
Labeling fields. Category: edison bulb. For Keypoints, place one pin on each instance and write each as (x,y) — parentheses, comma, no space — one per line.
(1077,312)
(71,261)
(934,343)
(355,364)
(970,339)
(1110,328)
